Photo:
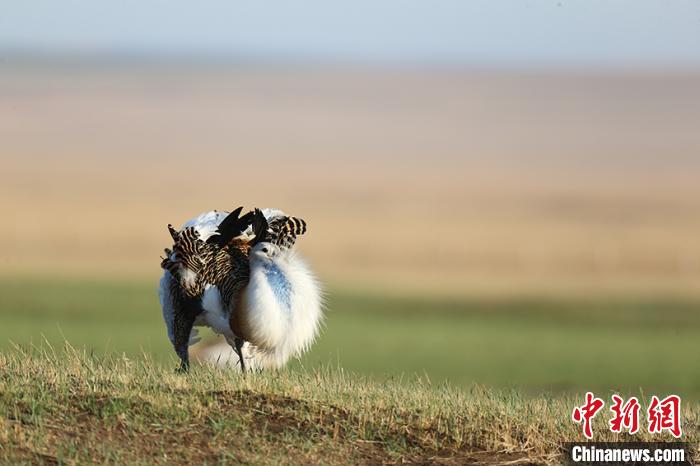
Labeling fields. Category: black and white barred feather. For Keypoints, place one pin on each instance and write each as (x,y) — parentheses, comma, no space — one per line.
(280,230)
(222,260)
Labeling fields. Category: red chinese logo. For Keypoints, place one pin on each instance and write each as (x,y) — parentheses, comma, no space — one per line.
(626,416)
(662,415)
(587,412)
(665,415)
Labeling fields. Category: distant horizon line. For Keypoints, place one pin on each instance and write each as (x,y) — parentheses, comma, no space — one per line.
(130,57)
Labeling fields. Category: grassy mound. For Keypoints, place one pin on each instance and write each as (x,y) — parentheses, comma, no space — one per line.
(70,407)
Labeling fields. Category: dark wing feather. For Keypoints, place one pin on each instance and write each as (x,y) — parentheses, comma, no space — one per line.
(231,227)
(260,228)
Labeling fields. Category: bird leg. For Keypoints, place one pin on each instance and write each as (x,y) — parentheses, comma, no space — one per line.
(239,350)
(237,345)
(185,310)
(182,329)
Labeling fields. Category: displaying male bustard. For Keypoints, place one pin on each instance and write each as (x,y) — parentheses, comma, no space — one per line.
(241,276)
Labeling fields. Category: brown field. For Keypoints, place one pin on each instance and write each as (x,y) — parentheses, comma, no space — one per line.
(455,181)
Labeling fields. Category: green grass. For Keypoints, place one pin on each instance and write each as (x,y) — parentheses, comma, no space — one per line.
(66,406)
(531,344)
(355,398)
(103,317)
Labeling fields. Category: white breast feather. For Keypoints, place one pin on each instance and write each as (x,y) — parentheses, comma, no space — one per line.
(215,316)
(279,334)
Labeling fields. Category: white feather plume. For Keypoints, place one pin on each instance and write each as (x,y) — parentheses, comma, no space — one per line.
(280,329)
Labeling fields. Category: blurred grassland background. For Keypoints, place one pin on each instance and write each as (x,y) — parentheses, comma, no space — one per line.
(538,229)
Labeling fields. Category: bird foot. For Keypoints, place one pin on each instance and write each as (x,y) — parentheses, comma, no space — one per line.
(183,369)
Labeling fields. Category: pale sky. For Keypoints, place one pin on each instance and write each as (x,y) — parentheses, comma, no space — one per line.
(598,33)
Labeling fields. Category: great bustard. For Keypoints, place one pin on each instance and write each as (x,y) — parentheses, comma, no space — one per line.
(241,277)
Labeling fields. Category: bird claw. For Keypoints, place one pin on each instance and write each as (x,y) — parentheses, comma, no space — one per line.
(183,369)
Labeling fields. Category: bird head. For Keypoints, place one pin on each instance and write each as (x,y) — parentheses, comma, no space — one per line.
(264,252)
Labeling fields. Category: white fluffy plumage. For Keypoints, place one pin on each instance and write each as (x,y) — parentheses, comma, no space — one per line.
(281,307)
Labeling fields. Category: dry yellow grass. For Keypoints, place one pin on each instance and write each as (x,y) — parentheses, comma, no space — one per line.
(68,407)
(468,183)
